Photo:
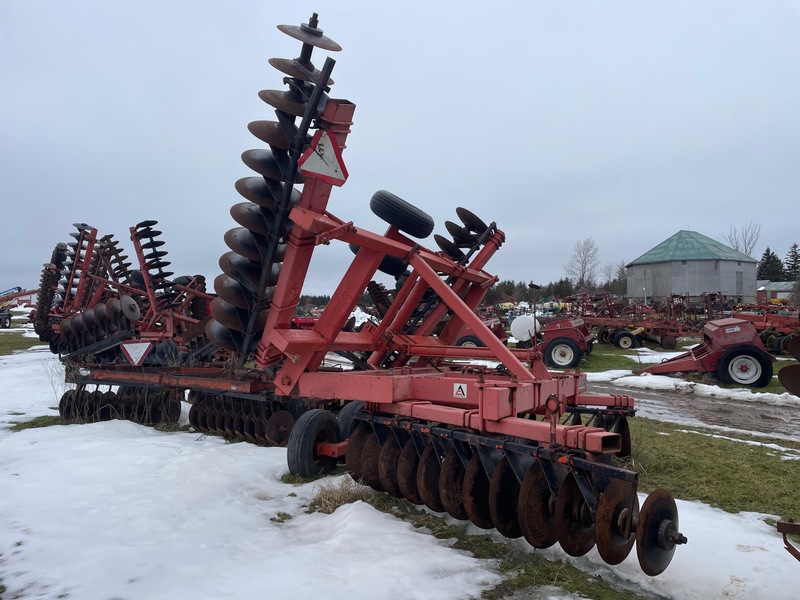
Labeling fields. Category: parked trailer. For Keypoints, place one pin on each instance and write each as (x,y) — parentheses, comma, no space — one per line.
(482,443)
(731,348)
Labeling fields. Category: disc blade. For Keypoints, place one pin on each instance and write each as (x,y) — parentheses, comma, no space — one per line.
(476,494)
(658,519)
(471,221)
(451,485)
(387,466)
(370,461)
(790,378)
(407,473)
(428,478)
(278,427)
(574,527)
(617,510)
(535,509)
(503,498)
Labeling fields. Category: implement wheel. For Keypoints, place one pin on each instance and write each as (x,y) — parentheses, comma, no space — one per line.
(396,211)
(562,353)
(625,340)
(311,428)
(745,365)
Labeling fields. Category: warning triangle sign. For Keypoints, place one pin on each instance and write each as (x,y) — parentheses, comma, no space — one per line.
(136,352)
(323,160)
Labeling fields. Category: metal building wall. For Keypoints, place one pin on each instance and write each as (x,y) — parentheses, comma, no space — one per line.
(694,277)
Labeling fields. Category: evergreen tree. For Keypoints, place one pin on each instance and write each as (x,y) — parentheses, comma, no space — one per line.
(770,267)
(791,264)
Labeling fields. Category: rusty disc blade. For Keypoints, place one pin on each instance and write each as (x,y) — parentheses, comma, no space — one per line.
(292,69)
(193,410)
(790,378)
(449,248)
(370,462)
(407,473)
(232,292)
(461,235)
(284,101)
(230,417)
(503,497)
(130,310)
(574,526)
(253,217)
(535,509)
(224,337)
(65,404)
(355,445)
(428,472)
(242,241)
(613,516)
(476,494)
(451,485)
(228,315)
(269,132)
(310,35)
(263,162)
(237,266)
(387,466)
(658,515)
(278,427)
(793,347)
(471,221)
(256,189)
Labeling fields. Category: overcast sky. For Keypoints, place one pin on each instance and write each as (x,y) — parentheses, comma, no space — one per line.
(623,121)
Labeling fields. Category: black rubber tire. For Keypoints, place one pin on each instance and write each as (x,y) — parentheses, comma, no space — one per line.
(403,215)
(470,341)
(625,340)
(748,356)
(5,322)
(390,265)
(314,426)
(346,420)
(297,408)
(562,353)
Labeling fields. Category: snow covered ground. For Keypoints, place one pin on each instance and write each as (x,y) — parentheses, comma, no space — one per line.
(117,510)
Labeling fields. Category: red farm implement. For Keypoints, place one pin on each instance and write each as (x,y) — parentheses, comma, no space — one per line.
(476,431)
(731,348)
(9,299)
(776,329)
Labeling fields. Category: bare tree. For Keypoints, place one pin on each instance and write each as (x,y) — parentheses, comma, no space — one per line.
(582,267)
(614,271)
(615,277)
(744,240)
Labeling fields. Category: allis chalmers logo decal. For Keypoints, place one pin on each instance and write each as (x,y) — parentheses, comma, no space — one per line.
(459,390)
(732,329)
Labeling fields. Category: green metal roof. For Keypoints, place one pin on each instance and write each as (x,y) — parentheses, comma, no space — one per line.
(690,245)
